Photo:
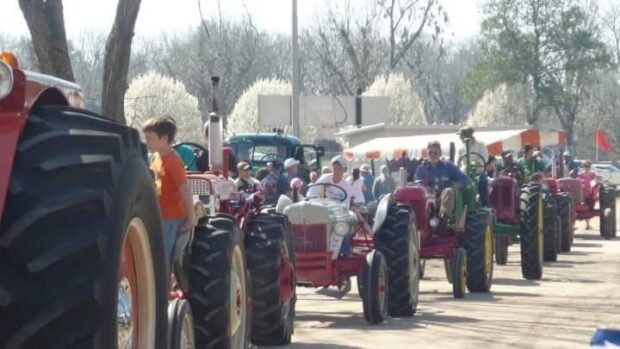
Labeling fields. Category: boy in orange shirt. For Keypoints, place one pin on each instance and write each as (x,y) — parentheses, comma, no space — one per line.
(175,197)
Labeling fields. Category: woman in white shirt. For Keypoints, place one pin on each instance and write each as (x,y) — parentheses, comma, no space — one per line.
(357,187)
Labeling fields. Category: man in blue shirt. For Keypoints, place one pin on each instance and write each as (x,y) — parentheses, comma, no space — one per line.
(443,176)
(275,184)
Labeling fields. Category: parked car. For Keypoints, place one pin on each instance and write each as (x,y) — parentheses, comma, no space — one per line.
(607,172)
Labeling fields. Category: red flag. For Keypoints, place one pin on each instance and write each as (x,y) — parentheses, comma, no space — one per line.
(601,141)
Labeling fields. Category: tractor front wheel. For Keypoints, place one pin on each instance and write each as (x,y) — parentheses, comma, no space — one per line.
(459,273)
(180,325)
(375,287)
(531,218)
(502,242)
(608,212)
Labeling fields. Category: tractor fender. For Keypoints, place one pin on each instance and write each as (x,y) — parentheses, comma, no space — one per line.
(382,211)
(283,202)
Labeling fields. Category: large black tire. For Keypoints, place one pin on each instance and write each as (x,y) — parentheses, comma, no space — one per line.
(478,243)
(375,287)
(397,240)
(80,189)
(565,212)
(531,217)
(459,273)
(180,325)
(269,240)
(552,230)
(217,264)
(608,212)
(502,241)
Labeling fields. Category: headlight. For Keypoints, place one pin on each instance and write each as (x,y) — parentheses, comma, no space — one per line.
(6,79)
(341,228)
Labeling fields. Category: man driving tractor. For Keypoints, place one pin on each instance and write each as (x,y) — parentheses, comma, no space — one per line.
(529,163)
(444,177)
(336,177)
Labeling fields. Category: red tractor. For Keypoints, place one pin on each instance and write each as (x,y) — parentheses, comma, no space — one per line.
(591,199)
(267,243)
(82,259)
(384,256)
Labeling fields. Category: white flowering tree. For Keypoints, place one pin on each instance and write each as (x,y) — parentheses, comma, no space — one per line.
(244,116)
(153,94)
(406,106)
(505,105)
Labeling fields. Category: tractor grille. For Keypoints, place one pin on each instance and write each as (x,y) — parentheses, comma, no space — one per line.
(310,237)
(200,187)
(419,208)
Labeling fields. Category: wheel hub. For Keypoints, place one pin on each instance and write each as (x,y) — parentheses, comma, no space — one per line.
(124,312)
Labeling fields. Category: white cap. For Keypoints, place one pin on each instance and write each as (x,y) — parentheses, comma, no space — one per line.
(290,162)
(339,159)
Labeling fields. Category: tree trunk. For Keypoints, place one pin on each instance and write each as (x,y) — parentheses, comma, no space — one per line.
(46,23)
(116,61)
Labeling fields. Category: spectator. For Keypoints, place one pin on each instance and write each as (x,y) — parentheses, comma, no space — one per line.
(314,176)
(571,166)
(245,182)
(291,166)
(444,177)
(357,187)
(369,180)
(261,174)
(175,198)
(530,164)
(275,184)
(588,178)
(483,181)
(326,170)
(384,184)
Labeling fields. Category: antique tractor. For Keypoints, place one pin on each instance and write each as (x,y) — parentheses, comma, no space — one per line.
(264,234)
(383,249)
(82,261)
(592,198)
(466,245)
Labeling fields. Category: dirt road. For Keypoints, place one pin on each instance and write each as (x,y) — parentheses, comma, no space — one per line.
(577,293)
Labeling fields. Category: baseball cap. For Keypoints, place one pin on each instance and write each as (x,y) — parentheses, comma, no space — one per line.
(528,147)
(434,144)
(339,159)
(243,166)
(290,162)
(365,168)
(567,153)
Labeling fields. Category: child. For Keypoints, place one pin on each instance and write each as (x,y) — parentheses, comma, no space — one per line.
(175,197)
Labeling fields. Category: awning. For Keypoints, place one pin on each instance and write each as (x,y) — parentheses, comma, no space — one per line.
(496,141)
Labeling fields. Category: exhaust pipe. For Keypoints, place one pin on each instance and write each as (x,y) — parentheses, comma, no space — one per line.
(215,130)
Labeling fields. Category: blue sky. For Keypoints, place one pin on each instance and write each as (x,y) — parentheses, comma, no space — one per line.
(157,16)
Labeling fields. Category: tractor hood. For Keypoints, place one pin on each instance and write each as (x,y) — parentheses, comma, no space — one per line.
(315,211)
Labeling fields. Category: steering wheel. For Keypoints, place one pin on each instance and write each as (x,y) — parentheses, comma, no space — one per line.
(326,186)
(474,157)
(269,157)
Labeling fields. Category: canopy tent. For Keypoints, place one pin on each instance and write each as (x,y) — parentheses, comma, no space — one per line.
(496,141)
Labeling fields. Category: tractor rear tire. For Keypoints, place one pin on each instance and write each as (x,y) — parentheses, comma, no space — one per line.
(219,285)
(478,243)
(459,273)
(268,245)
(531,218)
(552,233)
(375,289)
(502,241)
(80,215)
(565,212)
(608,212)
(399,243)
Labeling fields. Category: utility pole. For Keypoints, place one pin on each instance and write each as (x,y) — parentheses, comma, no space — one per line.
(295,75)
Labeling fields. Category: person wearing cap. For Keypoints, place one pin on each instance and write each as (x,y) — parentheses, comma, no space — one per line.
(510,168)
(245,182)
(529,163)
(291,166)
(275,184)
(571,166)
(476,146)
(369,180)
(384,184)
(336,177)
(444,177)
(588,180)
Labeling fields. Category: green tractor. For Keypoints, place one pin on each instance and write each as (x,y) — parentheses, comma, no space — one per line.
(260,148)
